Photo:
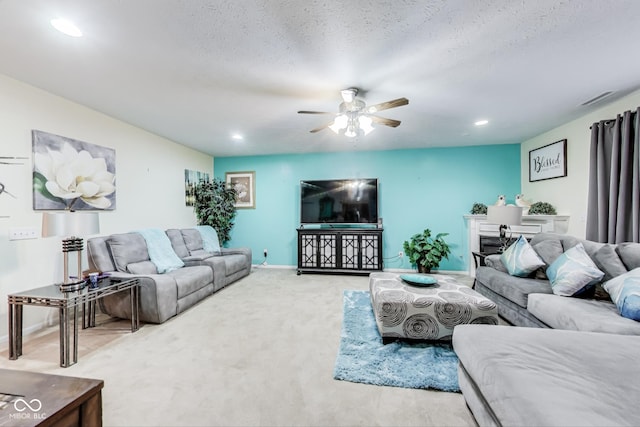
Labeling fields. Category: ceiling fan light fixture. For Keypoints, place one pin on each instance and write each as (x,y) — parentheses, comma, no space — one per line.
(365,123)
(348,95)
(350,132)
(339,123)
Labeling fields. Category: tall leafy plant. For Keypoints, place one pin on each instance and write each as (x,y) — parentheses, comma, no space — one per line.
(215,206)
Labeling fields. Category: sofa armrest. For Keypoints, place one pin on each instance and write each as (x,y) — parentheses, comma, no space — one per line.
(236,251)
(495,262)
(158,298)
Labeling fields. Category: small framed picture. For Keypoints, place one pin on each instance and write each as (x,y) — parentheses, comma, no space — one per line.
(548,162)
(245,185)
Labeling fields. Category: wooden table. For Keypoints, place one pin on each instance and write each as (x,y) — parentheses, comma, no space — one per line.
(35,399)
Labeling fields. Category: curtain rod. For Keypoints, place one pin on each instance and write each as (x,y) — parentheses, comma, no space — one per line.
(608,121)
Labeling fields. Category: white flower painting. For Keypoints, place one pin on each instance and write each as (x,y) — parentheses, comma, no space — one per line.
(71,174)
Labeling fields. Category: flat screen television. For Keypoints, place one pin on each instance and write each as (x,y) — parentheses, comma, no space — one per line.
(339,201)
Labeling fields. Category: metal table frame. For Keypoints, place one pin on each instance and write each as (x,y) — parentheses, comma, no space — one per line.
(68,304)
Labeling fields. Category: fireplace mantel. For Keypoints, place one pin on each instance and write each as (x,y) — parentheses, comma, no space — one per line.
(477,226)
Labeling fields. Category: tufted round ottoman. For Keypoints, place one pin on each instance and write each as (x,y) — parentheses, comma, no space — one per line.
(426,313)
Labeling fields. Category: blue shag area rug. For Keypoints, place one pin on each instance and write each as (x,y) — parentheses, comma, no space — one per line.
(363,358)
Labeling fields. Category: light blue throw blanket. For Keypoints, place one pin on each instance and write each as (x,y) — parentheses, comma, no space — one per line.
(210,242)
(160,250)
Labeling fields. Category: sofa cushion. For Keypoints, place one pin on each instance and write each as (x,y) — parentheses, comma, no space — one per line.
(629,254)
(607,260)
(177,241)
(192,240)
(142,267)
(520,259)
(191,279)
(548,250)
(573,272)
(542,377)
(161,252)
(514,289)
(234,263)
(581,314)
(127,248)
(625,293)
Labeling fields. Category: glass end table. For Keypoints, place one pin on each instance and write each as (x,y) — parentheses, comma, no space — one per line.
(68,304)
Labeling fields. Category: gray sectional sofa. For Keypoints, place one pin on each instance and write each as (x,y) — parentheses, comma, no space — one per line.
(568,361)
(529,301)
(164,295)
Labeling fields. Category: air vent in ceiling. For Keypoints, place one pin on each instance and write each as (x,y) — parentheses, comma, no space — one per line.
(598,98)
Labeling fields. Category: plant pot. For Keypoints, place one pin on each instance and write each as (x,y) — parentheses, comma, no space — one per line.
(423,269)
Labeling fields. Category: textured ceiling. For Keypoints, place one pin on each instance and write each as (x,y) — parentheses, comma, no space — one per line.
(196,71)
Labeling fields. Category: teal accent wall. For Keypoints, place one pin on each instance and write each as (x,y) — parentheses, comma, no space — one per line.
(418,188)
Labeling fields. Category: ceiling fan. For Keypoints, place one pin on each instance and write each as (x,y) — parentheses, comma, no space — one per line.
(355,117)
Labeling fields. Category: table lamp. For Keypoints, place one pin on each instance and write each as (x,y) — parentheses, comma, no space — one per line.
(70,224)
(505,216)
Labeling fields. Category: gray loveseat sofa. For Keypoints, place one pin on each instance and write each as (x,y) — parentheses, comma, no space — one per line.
(568,362)
(164,295)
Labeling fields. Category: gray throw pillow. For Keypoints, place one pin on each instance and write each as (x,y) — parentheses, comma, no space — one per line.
(609,262)
(629,253)
(549,250)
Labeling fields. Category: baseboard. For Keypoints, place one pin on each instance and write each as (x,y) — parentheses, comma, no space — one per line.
(387,270)
(281,267)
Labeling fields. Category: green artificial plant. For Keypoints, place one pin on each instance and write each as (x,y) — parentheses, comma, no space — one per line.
(479,209)
(425,251)
(215,205)
(542,208)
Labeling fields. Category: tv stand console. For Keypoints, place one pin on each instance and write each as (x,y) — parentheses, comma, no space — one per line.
(339,250)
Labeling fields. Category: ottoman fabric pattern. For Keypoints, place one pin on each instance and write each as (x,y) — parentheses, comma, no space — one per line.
(426,313)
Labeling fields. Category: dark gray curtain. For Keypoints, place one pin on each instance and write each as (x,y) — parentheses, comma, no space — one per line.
(613,212)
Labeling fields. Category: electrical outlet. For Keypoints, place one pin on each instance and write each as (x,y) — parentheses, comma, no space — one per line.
(23,233)
(265,252)
(400,254)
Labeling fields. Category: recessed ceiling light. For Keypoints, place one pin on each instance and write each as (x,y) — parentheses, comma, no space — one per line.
(481,122)
(237,137)
(66,27)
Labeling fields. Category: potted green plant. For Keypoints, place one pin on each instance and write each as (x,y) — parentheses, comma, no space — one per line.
(215,205)
(425,251)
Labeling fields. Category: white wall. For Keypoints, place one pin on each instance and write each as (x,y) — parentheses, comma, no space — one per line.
(569,194)
(149,182)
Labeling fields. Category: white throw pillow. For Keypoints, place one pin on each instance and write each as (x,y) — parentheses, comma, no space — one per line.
(573,272)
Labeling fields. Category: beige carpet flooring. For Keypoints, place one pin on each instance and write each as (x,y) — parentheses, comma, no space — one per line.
(260,352)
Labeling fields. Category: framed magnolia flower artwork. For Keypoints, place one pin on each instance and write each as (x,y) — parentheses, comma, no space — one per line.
(72,175)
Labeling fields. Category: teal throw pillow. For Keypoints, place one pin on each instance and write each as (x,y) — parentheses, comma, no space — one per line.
(161,252)
(573,272)
(520,259)
(210,242)
(625,293)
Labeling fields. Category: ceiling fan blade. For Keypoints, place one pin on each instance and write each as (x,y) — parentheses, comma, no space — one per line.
(386,105)
(320,128)
(387,122)
(313,112)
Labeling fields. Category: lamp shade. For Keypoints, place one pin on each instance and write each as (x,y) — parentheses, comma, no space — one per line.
(504,215)
(68,223)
